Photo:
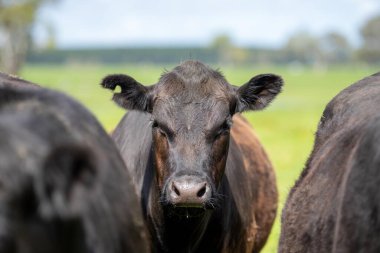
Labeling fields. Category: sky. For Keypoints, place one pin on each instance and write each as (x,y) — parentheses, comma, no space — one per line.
(137,23)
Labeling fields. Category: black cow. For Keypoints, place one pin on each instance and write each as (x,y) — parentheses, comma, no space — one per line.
(335,204)
(63,185)
(205,182)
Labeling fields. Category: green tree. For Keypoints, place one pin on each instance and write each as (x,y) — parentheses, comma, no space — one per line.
(335,48)
(17,18)
(370,32)
(304,48)
(227,52)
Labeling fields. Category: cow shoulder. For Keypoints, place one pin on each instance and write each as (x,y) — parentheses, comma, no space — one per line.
(359,211)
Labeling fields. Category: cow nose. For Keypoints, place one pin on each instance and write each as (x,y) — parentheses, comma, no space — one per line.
(189,193)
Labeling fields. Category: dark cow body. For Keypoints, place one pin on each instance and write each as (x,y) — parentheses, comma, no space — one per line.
(63,184)
(335,204)
(204,187)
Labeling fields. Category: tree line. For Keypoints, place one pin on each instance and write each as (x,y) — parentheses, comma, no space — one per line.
(18,17)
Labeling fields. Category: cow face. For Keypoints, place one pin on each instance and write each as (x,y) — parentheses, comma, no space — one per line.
(192,108)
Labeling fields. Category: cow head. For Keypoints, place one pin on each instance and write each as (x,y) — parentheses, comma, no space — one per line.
(191,111)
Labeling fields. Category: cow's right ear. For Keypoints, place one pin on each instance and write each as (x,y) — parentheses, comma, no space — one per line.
(133,95)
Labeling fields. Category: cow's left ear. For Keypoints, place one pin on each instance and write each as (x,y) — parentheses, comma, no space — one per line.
(133,95)
(258,92)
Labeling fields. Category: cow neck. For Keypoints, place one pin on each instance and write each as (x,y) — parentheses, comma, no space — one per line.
(183,234)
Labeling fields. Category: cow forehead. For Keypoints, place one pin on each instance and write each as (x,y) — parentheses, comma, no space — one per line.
(191,94)
(190,90)
(202,113)
(194,80)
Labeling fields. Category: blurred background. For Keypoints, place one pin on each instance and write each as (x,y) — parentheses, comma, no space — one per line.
(279,32)
(319,47)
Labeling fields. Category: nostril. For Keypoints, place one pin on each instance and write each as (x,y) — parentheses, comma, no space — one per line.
(201,191)
(175,189)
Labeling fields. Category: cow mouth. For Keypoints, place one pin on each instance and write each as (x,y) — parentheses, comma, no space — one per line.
(188,212)
(189,205)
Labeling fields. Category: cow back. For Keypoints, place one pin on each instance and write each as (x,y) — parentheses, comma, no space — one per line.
(315,216)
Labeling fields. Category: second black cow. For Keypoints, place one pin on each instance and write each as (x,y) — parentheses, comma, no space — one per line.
(205,182)
(63,185)
(335,204)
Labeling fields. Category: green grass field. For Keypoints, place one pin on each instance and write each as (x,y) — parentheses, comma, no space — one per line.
(286,128)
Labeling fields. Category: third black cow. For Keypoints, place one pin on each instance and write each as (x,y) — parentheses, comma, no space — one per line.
(205,182)
(335,204)
(63,185)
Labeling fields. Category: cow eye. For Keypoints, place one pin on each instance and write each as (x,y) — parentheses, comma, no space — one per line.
(223,130)
(154,124)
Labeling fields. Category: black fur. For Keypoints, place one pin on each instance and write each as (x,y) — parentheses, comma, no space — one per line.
(64,186)
(188,133)
(258,92)
(133,95)
(334,205)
